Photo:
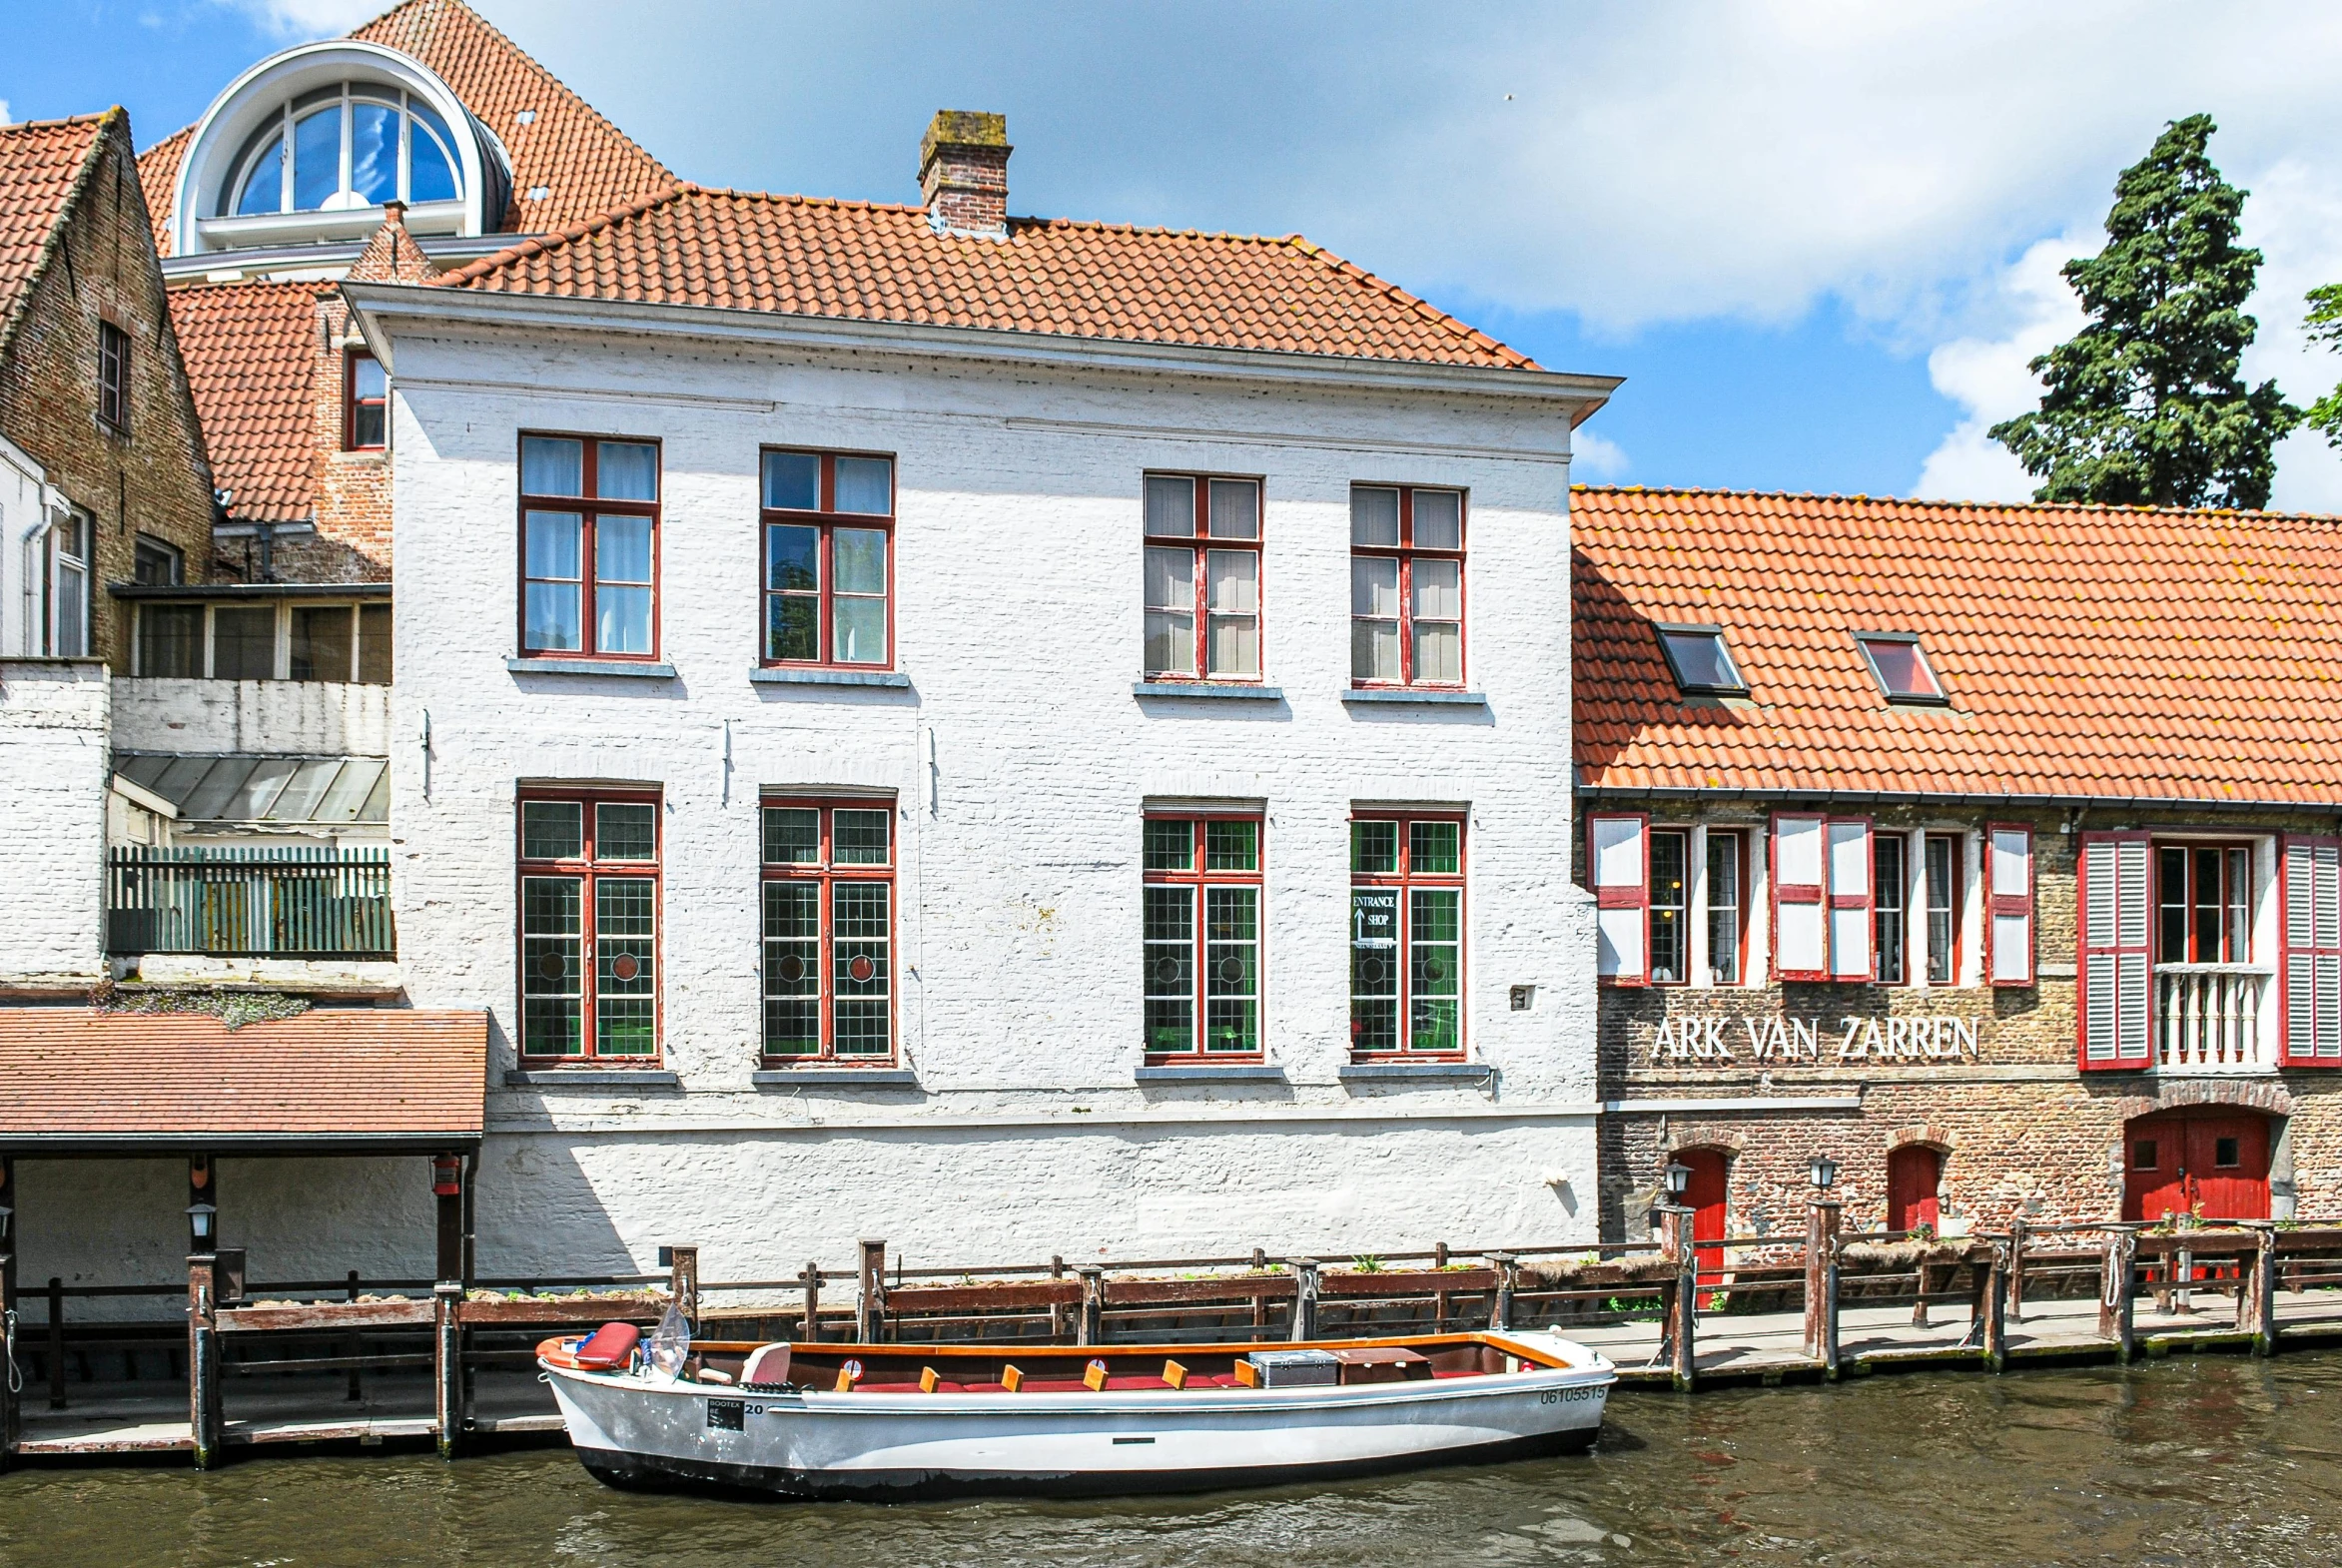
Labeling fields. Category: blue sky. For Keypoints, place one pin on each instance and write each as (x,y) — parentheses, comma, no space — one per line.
(1818,237)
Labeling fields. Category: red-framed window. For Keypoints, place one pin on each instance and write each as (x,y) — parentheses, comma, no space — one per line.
(829,558)
(2203,903)
(2114,895)
(589,925)
(1822,911)
(589,511)
(1407,935)
(1942,876)
(2310,887)
(829,930)
(365,402)
(114,377)
(1202,594)
(1671,907)
(2009,903)
(1407,586)
(1890,929)
(1618,868)
(1725,902)
(1202,895)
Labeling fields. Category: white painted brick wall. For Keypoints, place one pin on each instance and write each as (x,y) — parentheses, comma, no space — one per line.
(306,718)
(53,718)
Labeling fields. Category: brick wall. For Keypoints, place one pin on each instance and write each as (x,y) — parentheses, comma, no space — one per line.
(2024,1129)
(155,479)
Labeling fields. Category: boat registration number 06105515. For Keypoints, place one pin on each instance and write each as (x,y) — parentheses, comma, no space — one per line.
(1568,1395)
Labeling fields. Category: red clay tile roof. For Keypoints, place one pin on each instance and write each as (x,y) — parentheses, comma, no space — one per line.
(42,165)
(862,260)
(74,1073)
(252,352)
(2088,651)
(158,174)
(586,164)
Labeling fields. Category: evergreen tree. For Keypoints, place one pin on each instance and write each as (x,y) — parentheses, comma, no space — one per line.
(2145,406)
(2325,326)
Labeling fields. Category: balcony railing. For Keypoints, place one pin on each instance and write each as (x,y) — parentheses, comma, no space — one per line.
(2208,1017)
(282,903)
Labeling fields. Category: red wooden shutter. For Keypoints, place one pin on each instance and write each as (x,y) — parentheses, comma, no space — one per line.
(1618,864)
(1801,932)
(2117,982)
(2008,907)
(1848,839)
(2310,887)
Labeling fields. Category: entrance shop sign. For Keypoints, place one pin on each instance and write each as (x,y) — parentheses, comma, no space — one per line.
(1724,1041)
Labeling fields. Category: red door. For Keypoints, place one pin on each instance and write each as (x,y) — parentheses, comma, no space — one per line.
(1914,1173)
(1703,1195)
(2209,1156)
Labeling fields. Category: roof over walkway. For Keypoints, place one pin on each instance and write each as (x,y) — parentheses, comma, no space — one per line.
(332,1080)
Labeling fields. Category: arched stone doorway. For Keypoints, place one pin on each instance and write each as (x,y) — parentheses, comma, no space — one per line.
(2208,1157)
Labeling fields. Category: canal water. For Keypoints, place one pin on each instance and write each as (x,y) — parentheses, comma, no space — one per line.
(2227,1461)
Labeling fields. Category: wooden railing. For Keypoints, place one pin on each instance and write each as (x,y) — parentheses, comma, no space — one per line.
(303,903)
(2208,1017)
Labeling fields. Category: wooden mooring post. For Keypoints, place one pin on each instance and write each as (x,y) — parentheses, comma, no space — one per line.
(2015,1292)
(683,1283)
(1508,1272)
(1439,1307)
(870,1302)
(1057,1309)
(354,1346)
(1090,1328)
(1304,1298)
(1822,1217)
(1992,1308)
(2256,1302)
(205,1408)
(447,1364)
(1679,1298)
(811,1328)
(56,1344)
(2114,1287)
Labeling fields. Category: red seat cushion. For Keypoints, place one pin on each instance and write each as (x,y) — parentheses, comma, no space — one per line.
(612,1344)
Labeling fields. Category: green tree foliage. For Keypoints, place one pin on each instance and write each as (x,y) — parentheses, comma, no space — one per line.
(2325,326)
(2144,405)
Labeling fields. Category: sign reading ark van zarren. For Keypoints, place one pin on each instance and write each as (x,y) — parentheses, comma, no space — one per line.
(1723,1041)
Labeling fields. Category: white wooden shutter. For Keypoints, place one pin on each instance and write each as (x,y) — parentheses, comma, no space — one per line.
(1801,939)
(2311,886)
(1850,898)
(2117,983)
(2008,924)
(1618,861)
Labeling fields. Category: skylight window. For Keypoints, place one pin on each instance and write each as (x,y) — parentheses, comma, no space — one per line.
(1901,669)
(1700,662)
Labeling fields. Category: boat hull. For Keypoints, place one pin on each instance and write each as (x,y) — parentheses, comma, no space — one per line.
(638,1435)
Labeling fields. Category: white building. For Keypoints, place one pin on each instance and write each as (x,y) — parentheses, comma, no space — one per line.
(924,671)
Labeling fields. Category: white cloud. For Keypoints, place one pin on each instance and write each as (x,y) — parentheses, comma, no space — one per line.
(302,19)
(5,117)
(1594,456)
(1989,377)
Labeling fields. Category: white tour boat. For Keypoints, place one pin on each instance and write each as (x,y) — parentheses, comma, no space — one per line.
(898,1421)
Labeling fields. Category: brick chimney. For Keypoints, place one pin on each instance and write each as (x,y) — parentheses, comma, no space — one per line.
(964,173)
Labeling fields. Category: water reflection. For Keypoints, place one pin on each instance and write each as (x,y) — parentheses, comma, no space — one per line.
(2228,1461)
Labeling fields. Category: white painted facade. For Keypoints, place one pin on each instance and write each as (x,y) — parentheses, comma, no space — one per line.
(1018,763)
(54,715)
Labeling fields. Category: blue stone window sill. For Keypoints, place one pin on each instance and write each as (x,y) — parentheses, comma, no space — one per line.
(591,1078)
(1212,1073)
(630,669)
(783,675)
(1225,691)
(836,1077)
(1472,700)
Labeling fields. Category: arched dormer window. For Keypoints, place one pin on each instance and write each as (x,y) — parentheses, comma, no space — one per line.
(304,149)
(354,144)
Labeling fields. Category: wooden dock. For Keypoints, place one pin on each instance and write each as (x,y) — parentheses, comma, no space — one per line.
(451,1365)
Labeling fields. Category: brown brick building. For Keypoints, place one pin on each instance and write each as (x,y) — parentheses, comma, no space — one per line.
(1990,850)
(107,479)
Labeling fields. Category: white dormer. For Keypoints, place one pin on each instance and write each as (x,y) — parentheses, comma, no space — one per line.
(305,146)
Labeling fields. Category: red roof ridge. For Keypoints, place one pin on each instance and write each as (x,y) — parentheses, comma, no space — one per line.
(70,119)
(1728,493)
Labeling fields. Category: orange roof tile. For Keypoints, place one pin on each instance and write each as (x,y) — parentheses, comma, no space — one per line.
(75,1076)
(584,164)
(862,260)
(2088,651)
(252,351)
(43,163)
